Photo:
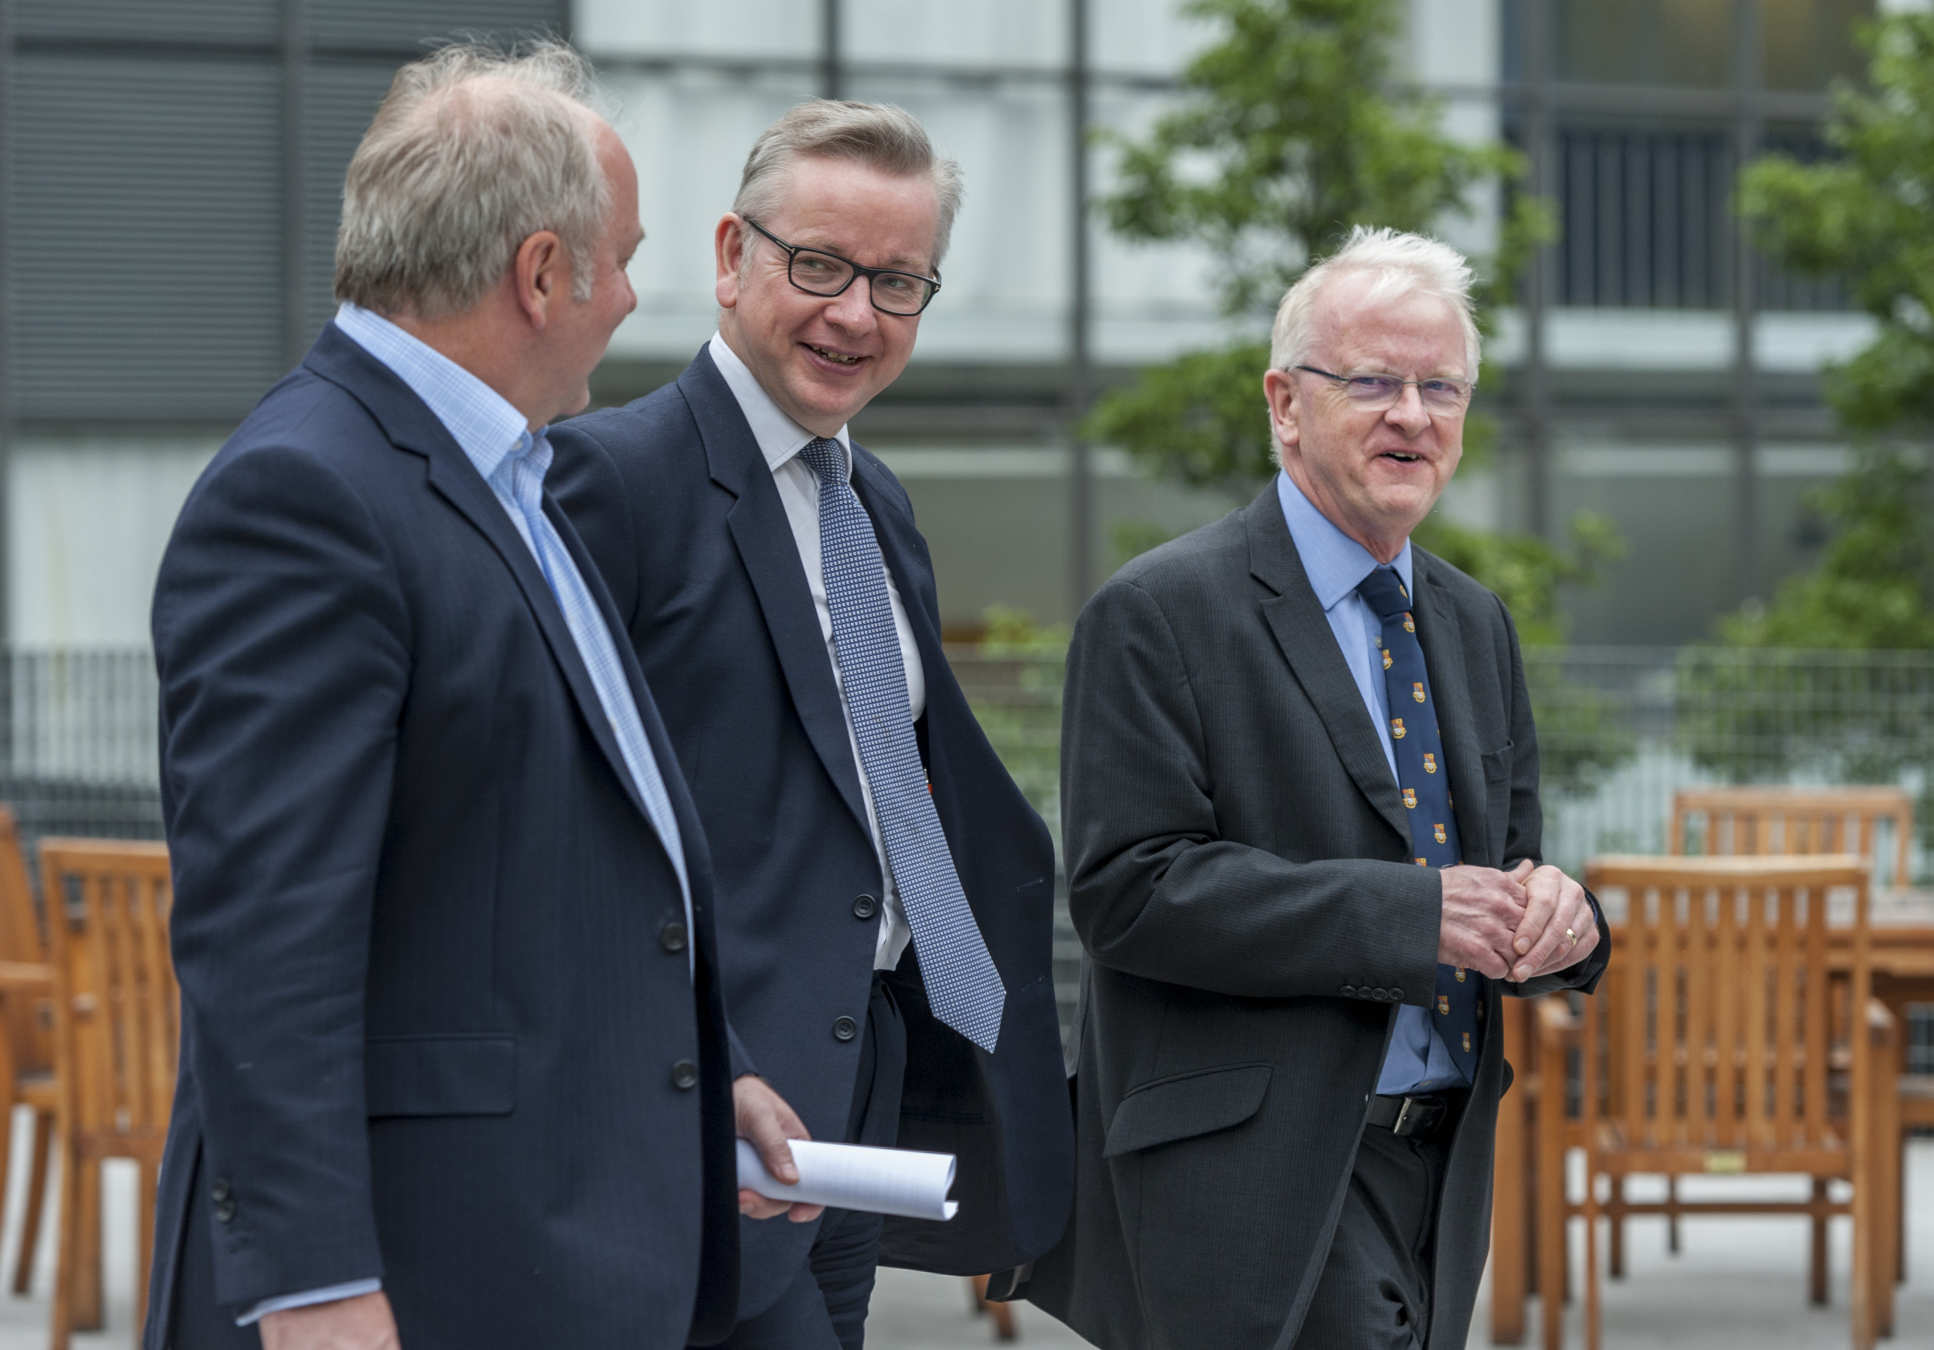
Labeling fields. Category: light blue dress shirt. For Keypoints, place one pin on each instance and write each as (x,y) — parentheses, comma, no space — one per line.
(498,442)
(1417,1060)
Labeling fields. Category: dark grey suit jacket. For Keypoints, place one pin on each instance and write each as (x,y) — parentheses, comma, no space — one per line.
(678,507)
(1240,875)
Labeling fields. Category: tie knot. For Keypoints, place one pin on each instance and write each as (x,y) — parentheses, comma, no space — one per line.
(1384,593)
(822,456)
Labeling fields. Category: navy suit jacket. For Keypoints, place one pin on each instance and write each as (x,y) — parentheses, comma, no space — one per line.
(437,1020)
(678,506)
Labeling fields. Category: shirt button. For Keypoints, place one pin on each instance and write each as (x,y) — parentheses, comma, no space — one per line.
(672,936)
(684,1075)
(865,907)
(845,1028)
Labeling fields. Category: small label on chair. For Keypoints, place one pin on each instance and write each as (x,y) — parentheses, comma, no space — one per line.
(1726,1160)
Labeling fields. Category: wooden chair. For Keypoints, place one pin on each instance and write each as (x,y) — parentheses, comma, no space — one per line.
(1725,1042)
(1874,823)
(1877,824)
(117,1035)
(26,1037)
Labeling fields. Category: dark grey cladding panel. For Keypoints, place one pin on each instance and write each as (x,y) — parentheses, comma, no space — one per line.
(146,215)
(408,24)
(339,98)
(150,20)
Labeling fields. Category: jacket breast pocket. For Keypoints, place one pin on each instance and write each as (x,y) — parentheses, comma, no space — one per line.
(461,1075)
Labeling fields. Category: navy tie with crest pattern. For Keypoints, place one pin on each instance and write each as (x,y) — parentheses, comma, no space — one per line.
(1424,784)
(963,987)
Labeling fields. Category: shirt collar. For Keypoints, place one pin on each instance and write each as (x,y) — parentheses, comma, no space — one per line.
(1334,562)
(481,420)
(779,437)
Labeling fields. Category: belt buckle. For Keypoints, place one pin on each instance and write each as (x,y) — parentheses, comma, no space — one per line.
(1401,1125)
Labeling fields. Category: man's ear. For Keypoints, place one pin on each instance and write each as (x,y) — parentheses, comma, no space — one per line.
(728,255)
(1279,388)
(541,269)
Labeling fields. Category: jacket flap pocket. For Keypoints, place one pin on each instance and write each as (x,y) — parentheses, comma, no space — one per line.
(1186,1105)
(440,1075)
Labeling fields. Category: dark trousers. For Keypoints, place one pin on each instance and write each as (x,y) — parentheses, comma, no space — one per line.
(824,1308)
(1375,1290)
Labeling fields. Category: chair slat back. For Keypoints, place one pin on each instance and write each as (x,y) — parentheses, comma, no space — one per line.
(1724,1018)
(1874,823)
(117,1007)
(21,939)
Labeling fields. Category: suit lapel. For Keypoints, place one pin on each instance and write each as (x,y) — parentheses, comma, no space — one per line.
(1303,632)
(763,537)
(1440,635)
(413,428)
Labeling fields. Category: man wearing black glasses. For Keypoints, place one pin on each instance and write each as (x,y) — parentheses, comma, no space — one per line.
(885,891)
(1301,810)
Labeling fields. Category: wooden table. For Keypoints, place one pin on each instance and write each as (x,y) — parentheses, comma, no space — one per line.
(1901,960)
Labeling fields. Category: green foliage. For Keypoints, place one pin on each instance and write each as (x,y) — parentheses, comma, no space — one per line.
(1867,218)
(1759,707)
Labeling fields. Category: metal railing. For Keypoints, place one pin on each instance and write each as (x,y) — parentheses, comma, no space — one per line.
(1619,730)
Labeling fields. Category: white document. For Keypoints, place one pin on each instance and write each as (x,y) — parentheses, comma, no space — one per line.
(896,1181)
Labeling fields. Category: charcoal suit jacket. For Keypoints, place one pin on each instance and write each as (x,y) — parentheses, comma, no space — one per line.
(443,1019)
(1241,878)
(677,504)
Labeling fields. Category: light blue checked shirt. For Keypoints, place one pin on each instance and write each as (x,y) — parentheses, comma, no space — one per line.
(1417,1060)
(513,460)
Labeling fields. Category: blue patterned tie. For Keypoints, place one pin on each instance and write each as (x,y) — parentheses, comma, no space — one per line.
(963,987)
(592,635)
(1425,786)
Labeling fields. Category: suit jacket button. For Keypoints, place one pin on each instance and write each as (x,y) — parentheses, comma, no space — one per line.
(845,1028)
(1349,991)
(1396,996)
(672,936)
(684,1075)
(865,907)
(220,1190)
(1380,992)
(225,1210)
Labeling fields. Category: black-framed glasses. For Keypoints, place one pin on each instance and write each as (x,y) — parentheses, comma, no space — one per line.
(1440,394)
(817,272)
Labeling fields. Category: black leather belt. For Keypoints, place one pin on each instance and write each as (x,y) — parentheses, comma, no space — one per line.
(1422,1115)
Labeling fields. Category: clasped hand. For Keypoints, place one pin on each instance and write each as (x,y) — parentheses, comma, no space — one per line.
(1518,924)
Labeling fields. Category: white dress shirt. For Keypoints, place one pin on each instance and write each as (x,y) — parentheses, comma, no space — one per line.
(780,440)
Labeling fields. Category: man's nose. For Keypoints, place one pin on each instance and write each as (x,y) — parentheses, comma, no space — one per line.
(853,307)
(1409,411)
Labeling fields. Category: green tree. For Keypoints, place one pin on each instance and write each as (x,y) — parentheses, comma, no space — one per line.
(1864,217)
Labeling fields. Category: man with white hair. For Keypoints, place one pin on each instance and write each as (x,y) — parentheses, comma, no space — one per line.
(1300,786)
(454,1065)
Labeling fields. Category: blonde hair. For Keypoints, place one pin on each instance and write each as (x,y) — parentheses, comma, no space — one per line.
(472,151)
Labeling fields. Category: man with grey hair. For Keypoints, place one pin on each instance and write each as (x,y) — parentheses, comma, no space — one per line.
(885,890)
(1300,786)
(454,1065)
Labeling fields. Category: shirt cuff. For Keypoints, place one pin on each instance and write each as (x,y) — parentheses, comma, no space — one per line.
(329,1294)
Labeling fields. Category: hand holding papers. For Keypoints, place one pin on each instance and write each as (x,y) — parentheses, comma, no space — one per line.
(895,1181)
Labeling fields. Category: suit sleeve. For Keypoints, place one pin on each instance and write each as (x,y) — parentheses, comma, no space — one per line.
(283,648)
(1154,888)
(1524,837)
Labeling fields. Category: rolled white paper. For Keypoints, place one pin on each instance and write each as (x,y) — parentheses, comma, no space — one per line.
(898,1181)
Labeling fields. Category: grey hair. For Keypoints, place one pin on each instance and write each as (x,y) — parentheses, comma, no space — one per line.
(1397,263)
(879,135)
(473,150)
